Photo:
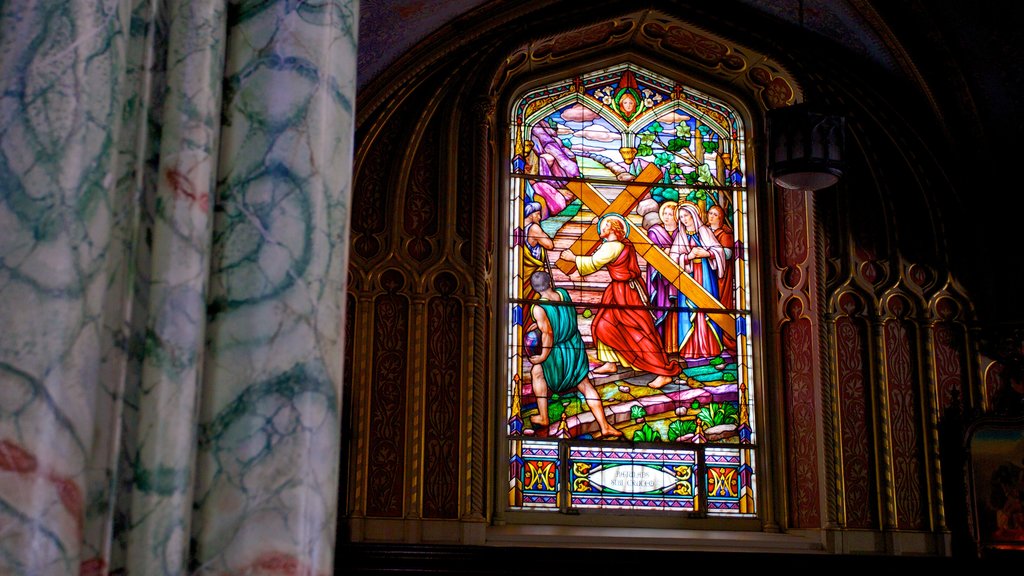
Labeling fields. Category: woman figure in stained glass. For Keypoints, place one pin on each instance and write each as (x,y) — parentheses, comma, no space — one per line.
(724,234)
(662,294)
(700,255)
(561,364)
(719,224)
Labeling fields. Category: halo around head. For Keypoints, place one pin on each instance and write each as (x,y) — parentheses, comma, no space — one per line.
(615,216)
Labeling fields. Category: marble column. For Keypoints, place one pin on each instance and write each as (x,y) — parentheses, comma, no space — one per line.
(269,420)
(186,43)
(65,280)
(172,274)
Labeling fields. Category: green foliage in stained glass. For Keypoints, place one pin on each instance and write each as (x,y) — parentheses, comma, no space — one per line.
(665,193)
(637,411)
(646,434)
(644,150)
(677,144)
(716,361)
(679,428)
(662,158)
(718,413)
(567,142)
(709,146)
(668,194)
(555,410)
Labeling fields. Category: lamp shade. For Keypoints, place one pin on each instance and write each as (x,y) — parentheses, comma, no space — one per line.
(806,147)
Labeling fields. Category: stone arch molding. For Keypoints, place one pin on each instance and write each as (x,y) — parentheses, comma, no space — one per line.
(742,69)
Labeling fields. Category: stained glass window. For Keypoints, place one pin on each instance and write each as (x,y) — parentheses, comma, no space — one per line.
(630,367)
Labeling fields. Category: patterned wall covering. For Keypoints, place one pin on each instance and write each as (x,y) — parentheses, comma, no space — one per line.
(949,338)
(801,437)
(387,425)
(443,382)
(799,345)
(415,340)
(903,399)
(853,377)
(419,210)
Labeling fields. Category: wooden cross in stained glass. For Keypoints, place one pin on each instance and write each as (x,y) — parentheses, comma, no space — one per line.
(625,202)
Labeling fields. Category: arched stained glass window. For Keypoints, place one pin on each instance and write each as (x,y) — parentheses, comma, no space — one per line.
(630,367)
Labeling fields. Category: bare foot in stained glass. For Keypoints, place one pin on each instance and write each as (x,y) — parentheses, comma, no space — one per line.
(606,368)
(660,381)
(610,432)
(540,426)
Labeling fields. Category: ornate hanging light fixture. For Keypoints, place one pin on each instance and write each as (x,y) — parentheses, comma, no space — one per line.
(805,143)
(806,147)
